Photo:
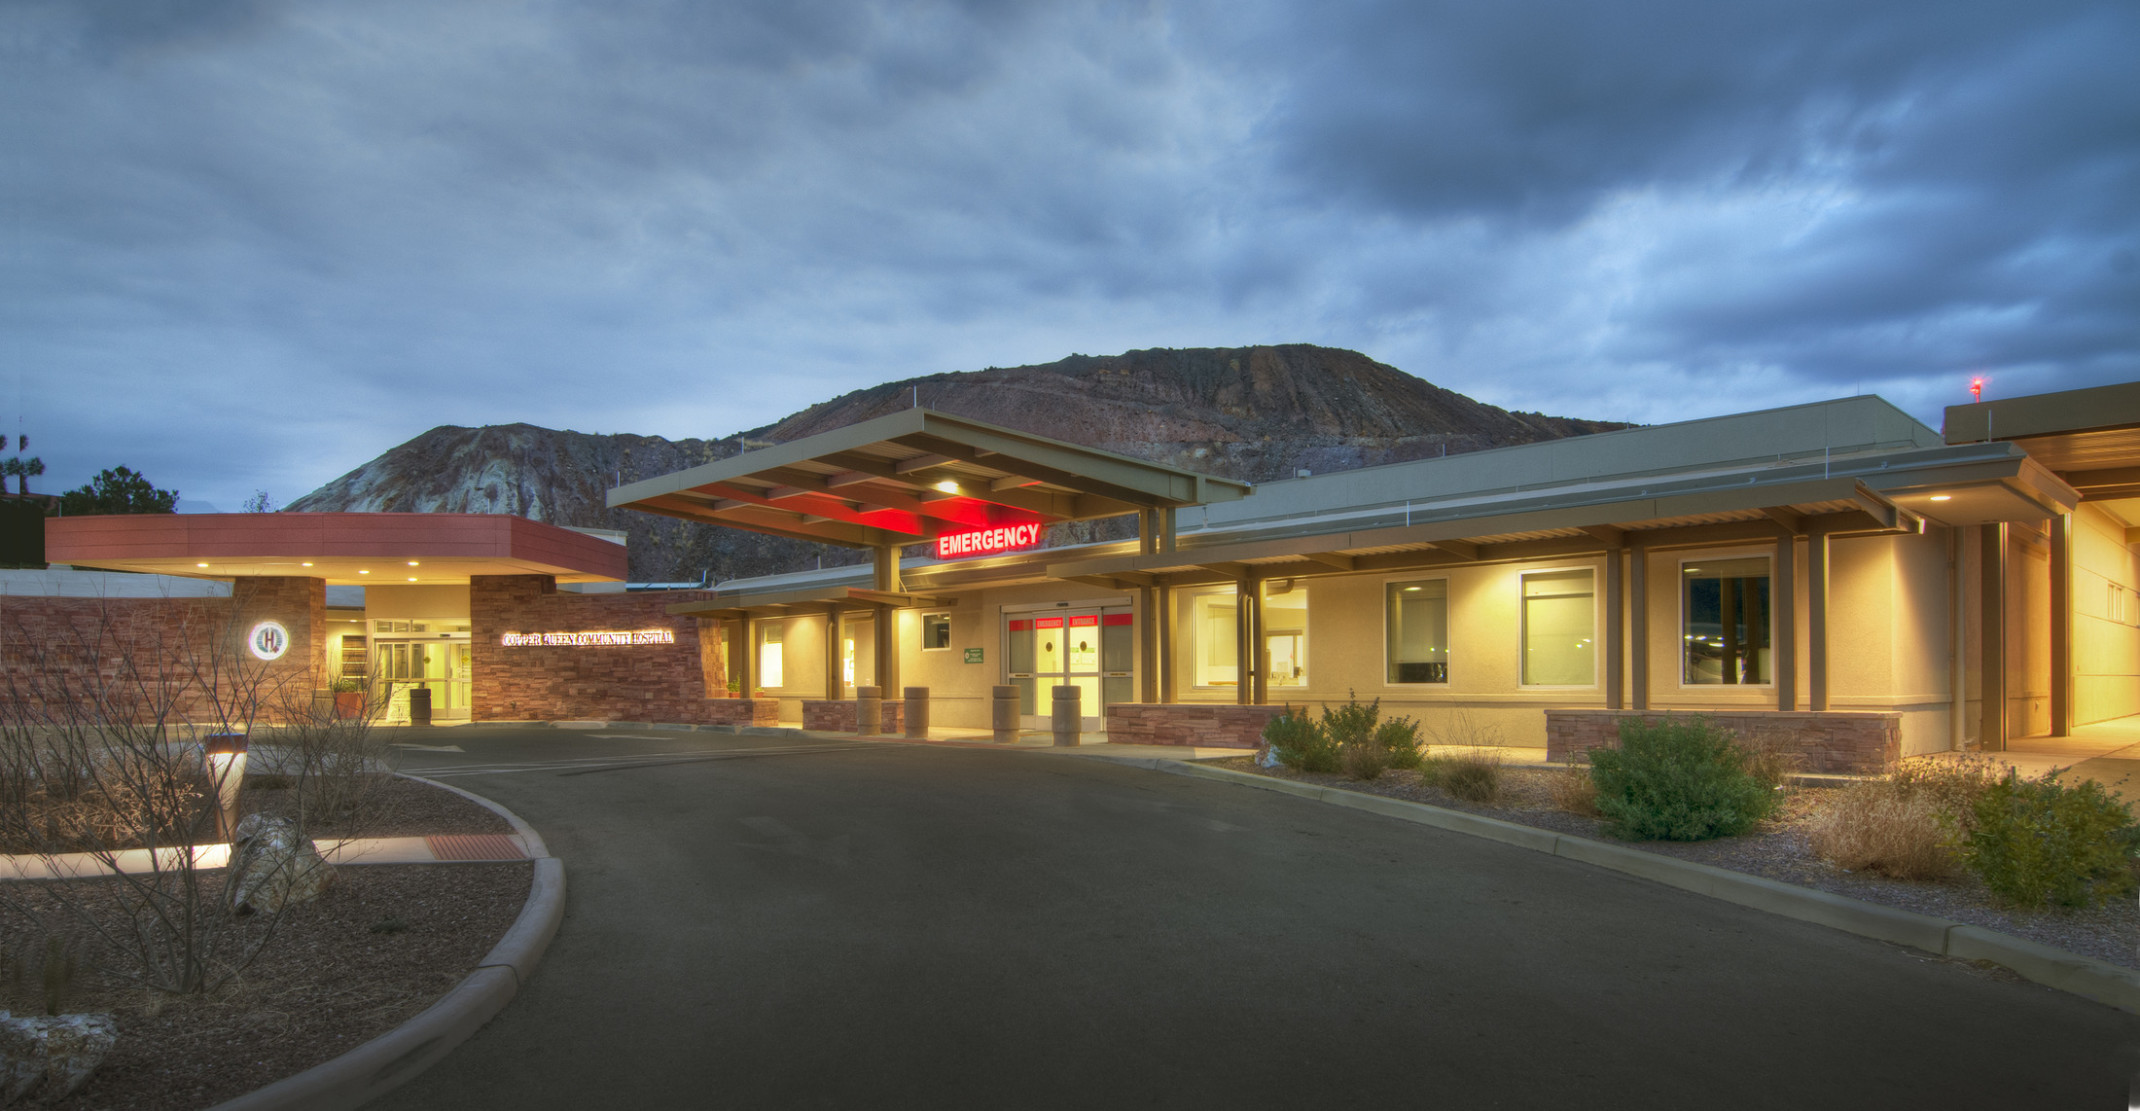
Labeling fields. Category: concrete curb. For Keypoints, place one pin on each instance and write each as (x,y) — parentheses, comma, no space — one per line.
(371,1069)
(2054,968)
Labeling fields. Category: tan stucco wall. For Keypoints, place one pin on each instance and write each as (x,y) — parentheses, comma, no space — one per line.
(1888,645)
(2106,618)
(420,603)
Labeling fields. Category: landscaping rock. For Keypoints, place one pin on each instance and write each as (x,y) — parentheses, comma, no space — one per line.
(61,1051)
(272,866)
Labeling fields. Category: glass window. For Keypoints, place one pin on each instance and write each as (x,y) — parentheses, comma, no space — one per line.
(935,631)
(769,655)
(1417,618)
(1285,633)
(1725,619)
(1214,651)
(1559,629)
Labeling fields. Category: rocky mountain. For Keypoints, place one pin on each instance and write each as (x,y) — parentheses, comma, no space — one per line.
(1253,413)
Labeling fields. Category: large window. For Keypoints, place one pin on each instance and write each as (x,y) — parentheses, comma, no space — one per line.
(1725,621)
(1415,619)
(1559,629)
(1285,633)
(1215,653)
(769,651)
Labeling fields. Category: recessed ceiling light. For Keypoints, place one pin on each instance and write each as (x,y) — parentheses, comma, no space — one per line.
(412,578)
(200,565)
(1943,497)
(308,563)
(364,572)
(412,563)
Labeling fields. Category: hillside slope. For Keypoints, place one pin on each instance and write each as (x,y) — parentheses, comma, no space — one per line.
(1253,413)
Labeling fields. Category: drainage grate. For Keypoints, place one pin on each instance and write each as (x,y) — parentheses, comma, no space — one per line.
(475,846)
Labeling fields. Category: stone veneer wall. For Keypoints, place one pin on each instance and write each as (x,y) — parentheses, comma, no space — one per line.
(83,660)
(742,711)
(637,682)
(1833,742)
(1198,724)
(838,716)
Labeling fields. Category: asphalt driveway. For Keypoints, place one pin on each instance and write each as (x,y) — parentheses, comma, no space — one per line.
(759,922)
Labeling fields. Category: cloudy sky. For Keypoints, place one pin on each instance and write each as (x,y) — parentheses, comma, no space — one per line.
(250,245)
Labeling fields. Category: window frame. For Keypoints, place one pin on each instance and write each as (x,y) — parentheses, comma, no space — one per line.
(1679,576)
(1448,619)
(927,619)
(1523,629)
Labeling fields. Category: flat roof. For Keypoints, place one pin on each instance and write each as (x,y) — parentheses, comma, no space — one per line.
(348,549)
(2090,437)
(910,476)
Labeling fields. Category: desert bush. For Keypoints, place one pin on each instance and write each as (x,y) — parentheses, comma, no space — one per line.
(338,768)
(1678,779)
(1400,738)
(1574,791)
(1364,759)
(1474,777)
(1905,825)
(1884,827)
(2038,841)
(1300,743)
(1351,723)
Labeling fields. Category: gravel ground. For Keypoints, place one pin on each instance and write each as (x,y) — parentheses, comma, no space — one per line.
(382,944)
(1778,850)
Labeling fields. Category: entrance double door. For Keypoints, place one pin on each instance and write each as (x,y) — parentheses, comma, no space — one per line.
(1093,650)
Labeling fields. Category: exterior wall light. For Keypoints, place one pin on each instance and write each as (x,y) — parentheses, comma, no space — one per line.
(948,486)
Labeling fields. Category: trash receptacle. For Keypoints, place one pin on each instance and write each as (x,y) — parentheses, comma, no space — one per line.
(419,705)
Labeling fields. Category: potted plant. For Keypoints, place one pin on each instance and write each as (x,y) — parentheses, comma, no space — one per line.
(348,698)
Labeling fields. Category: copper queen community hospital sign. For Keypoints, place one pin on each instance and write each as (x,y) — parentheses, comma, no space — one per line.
(592,639)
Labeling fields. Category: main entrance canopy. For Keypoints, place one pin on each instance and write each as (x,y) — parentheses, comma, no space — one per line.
(914,475)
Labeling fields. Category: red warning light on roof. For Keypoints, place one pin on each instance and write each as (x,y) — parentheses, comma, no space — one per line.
(987,541)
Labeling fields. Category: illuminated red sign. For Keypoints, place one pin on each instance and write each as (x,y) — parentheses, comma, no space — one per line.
(987,541)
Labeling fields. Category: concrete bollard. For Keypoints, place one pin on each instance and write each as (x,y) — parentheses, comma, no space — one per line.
(917,713)
(1003,714)
(1068,702)
(869,709)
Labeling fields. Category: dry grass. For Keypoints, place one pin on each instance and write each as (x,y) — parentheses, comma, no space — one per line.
(1364,759)
(1904,826)
(1574,791)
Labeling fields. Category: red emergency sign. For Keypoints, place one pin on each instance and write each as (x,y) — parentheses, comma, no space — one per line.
(987,541)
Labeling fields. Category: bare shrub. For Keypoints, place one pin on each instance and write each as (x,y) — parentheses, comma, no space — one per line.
(336,769)
(1474,777)
(1884,827)
(103,777)
(1907,824)
(1364,758)
(1574,791)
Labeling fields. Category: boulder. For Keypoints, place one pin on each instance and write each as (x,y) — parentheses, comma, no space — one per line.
(59,1051)
(272,866)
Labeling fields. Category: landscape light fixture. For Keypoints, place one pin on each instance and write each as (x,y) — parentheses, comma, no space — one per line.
(225,756)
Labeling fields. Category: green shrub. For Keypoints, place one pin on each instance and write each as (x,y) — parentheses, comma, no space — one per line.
(1300,743)
(1678,779)
(1351,723)
(1400,738)
(2037,841)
